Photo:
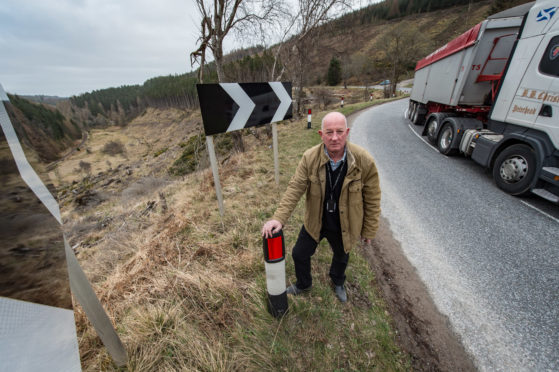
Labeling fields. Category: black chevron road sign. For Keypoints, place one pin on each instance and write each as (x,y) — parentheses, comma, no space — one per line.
(227,107)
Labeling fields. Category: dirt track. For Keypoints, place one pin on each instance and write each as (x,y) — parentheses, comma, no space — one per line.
(422,331)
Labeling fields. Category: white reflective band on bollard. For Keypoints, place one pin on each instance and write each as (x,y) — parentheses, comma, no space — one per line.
(275,277)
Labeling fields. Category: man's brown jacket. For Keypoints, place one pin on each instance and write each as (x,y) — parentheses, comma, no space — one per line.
(359,203)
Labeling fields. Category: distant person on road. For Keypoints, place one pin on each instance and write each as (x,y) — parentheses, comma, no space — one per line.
(341,183)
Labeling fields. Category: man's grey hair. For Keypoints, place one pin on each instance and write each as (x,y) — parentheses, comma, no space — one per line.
(333,112)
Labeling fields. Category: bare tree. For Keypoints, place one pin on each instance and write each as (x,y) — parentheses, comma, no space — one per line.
(219,18)
(362,65)
(402,46)
(304,23)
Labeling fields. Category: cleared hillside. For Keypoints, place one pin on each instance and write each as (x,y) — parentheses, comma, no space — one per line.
(436,29)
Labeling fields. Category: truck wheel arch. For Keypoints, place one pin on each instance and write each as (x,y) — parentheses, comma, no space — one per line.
(516,139)
(515,169)
(533,144)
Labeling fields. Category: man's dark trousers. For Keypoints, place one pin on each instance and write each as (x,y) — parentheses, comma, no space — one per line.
(306,246)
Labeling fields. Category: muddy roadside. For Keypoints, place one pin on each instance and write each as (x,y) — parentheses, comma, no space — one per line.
(423,331)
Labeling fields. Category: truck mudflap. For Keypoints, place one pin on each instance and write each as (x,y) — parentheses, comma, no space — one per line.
(484,148)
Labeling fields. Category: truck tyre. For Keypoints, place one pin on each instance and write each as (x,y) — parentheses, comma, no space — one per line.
(433,125)
(432,128)
(410,110)
(418,118)
(514,169)
(446,140)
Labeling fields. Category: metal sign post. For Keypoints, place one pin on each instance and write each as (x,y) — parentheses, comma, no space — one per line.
(215,171)
(276,152)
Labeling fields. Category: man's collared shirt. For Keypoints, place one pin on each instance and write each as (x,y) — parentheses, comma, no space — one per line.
(335,164)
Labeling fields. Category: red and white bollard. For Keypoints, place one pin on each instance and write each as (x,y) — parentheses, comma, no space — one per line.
(274,257)
(342,102)
(371,97)
(309,119)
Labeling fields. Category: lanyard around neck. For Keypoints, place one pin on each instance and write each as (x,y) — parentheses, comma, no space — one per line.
(330,171)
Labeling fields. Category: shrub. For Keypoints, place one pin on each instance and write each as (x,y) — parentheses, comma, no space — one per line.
(188,161)
(113,148)
(194,149)
(85,166)
(159,152)
(324,97)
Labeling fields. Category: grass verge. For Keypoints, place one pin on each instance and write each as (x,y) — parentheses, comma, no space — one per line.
(186,288)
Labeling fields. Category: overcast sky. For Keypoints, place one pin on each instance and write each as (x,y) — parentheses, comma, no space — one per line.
(69,47)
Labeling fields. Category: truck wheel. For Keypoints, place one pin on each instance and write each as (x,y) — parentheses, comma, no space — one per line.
(432,127)
(418,118)
(515,169)
(446,136)
(410,109)
(411,112)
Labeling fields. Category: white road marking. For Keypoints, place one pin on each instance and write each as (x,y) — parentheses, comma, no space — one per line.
(539,210)
(421,138)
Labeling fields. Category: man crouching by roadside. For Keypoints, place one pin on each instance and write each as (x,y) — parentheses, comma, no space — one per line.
(342,189)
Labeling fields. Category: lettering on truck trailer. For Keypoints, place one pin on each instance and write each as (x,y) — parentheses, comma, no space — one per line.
(539,95)
(524,110)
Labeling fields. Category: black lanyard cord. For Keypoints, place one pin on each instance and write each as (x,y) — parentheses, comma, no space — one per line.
(330,171)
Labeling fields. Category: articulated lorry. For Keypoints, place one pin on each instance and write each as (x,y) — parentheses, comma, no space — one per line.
(492,94)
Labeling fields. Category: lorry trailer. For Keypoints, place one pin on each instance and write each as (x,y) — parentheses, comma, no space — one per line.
(492,94)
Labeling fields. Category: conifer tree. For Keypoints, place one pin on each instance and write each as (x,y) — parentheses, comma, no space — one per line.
(334,72)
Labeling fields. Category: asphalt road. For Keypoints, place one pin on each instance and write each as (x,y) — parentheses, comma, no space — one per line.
(490,260)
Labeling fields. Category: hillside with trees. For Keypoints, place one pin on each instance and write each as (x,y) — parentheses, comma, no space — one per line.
(386,40)
(42,128)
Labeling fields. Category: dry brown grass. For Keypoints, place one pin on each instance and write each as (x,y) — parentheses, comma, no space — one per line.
(186,287)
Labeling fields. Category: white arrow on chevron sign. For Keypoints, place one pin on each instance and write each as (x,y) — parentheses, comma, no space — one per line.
(285,99)
(246,106)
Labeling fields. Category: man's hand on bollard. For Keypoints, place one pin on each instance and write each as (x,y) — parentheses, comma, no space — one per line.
(270,228)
